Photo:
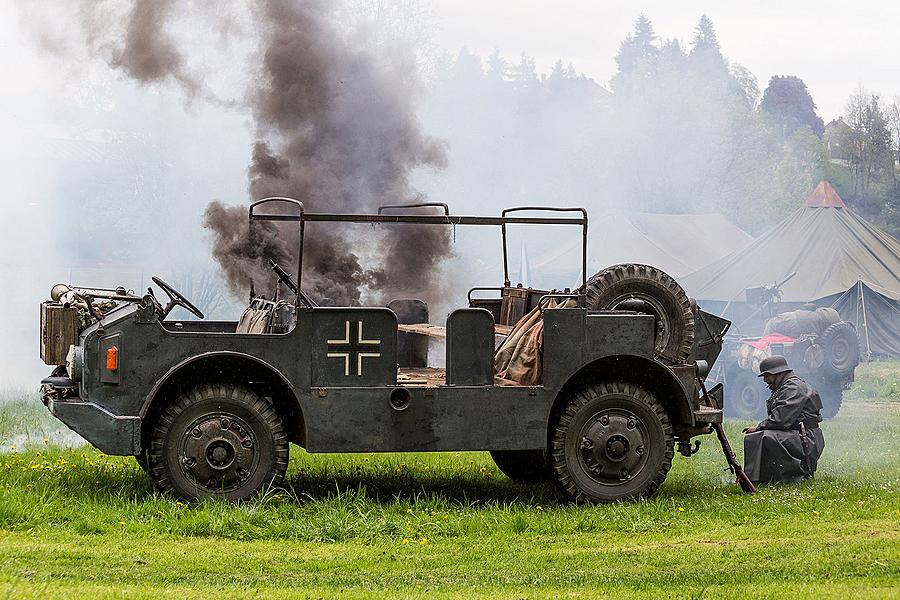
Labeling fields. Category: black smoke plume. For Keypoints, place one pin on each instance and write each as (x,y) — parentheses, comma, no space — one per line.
(335,129)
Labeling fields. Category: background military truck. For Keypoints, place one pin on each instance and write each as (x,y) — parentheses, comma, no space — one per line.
(818,345)
(210,407)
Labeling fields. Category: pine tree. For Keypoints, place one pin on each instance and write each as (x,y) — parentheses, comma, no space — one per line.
(705,38)
(524,74)
(638,52)
(497,68)
(467,66)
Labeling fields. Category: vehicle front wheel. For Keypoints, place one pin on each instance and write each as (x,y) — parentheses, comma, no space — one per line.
(610,442)
(745,395)
(831,397)
(218,440)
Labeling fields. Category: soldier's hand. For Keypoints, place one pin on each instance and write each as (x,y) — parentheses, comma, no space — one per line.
(750,429)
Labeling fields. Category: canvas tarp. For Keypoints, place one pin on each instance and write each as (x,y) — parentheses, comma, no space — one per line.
(877,319)
(833,252)
(676,243)
(519,360)
(829,248)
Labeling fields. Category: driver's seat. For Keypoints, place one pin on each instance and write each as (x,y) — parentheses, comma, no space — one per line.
(266,316)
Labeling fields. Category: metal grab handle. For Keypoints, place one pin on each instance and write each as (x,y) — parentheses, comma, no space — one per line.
(419,205)
(546,208)
(584,233)
(483,289)
(256,217)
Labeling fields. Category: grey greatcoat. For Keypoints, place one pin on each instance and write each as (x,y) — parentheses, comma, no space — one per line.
(775,452)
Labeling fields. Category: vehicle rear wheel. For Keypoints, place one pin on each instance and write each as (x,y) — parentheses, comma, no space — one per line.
(610,442)
(745,395)
(831,397)
(668,302)
(522,466)
(218,440)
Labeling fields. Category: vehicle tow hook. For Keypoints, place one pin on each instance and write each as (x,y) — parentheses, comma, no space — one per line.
(684,447)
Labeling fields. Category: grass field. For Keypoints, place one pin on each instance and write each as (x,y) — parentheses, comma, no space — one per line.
(75,523)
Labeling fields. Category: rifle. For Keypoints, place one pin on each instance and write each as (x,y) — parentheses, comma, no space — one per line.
(804,441)
(285,277)
(733,465)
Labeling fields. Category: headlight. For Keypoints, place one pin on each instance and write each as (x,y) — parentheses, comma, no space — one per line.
(75,362)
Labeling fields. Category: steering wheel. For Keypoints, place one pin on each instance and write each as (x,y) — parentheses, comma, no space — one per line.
(175,299)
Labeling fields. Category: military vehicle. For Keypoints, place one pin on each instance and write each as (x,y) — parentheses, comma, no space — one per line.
(820,347)
(210,407)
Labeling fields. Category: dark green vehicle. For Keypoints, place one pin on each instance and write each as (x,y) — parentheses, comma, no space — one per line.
(210,407)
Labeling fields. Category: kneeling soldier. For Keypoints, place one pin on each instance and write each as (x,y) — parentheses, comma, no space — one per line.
(787,445)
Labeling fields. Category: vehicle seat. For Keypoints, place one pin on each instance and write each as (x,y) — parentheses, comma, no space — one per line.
(470,347)
(266,316)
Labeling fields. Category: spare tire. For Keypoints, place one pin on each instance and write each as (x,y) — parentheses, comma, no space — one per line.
(841,346)
(668,302)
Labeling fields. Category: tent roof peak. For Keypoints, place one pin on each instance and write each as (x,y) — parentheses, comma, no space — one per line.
(824,196)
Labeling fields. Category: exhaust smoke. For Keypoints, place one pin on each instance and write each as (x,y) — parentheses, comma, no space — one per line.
(335,128)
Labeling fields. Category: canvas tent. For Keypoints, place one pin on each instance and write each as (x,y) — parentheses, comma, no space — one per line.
(876,316)
(833,251)
(677,244)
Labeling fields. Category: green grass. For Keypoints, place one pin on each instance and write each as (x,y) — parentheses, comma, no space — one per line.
(879,380)
(22,414)
(75,523)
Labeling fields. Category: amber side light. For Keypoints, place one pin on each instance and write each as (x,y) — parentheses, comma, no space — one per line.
(112,359)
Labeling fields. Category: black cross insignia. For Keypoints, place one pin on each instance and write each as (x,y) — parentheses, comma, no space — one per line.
(354,348)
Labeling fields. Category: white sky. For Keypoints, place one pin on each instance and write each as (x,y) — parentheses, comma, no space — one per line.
(833,46)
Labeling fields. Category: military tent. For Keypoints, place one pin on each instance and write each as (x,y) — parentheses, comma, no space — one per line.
(839,260)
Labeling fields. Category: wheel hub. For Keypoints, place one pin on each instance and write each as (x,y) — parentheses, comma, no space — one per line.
(840,349)
(218,452)
(613,446)
(616,448)
(749,399)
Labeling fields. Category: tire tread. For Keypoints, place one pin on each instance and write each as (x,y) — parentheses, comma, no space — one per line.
(581,398)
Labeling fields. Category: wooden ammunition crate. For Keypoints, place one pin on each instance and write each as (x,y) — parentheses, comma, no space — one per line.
(59,330)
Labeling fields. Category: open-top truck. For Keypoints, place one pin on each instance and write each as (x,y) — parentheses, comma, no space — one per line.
(210,407)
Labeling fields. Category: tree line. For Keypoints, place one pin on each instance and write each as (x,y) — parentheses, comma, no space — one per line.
(678,128)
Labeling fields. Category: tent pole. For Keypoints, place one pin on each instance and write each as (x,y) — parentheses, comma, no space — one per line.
(861,302)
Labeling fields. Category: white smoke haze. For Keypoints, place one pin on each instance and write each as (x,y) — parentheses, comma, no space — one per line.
(139,114)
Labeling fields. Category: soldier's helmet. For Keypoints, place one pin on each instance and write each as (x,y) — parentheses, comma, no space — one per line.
(773,365)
